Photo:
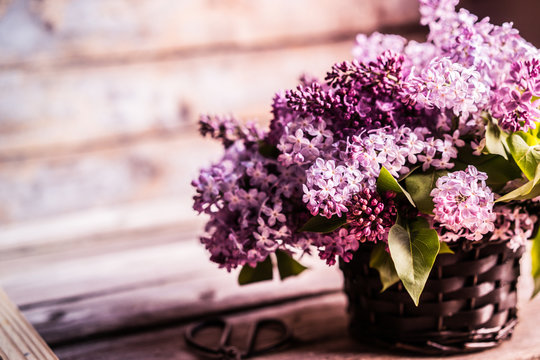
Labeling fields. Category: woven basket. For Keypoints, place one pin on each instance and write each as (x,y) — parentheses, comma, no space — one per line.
(468,303)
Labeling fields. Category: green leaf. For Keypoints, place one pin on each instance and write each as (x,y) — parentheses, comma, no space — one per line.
(530,190)
(263,271)
(535,254)
(381,261)
(526,157)
(386,182)
(267,150)
(498,169)
(287,266)
(445,249)
(499,172)
(420,186)
(495,139)
(530,137)
(321,224)
(413,249)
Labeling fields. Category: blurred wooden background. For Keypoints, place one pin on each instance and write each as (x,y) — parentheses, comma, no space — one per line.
(98,107)
(99,98)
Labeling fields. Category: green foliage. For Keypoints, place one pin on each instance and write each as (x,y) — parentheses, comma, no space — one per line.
(535,254)
(498,169)
(386,182)
(526,157)
(445,249)
(527,191)
(381,261)
(263,271)
(413,248)
(419,187)
(287,266)
(495,140)
(321,224)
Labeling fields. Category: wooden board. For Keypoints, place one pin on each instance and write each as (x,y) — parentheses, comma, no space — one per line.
(149,170)
(18,340)
(60,32)
(114,284)
(320,332)
(50,112)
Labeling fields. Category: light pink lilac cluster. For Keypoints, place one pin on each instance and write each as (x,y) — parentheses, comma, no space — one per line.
(410,107)
(447,85)
(515,226)
(464,205)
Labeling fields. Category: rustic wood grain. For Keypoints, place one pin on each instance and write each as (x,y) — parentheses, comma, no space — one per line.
(21,239)
(151,170)
(320,331)
(104,287)
(18,340)
(59,31)
(58,112)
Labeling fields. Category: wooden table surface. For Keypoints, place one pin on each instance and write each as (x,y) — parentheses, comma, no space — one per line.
(132,297)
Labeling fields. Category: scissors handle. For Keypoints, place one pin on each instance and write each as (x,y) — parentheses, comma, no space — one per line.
(224,351)
(229,352)
(286,335)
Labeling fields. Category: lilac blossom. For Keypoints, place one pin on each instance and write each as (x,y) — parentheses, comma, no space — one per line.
(514,225)
(516,103)
(409,107)
(447,85)
(464,205)
(368,48)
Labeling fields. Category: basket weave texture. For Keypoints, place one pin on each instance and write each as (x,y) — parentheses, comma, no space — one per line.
(468,303)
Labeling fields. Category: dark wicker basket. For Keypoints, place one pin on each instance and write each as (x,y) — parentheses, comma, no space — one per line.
(468,304)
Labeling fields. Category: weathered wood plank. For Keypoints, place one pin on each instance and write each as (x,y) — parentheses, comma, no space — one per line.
(104,287)
(58,112)
(176,301)
(320,332)
(312,320)
(145,171)
(21,239)
(59,31)
(18,339)
(53,278)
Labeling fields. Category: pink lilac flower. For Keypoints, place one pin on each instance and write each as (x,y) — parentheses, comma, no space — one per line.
(403,106)
(464,204)
(329,187)
(368,48)
(448,85)
(341,243)
(516,104)
(515,226)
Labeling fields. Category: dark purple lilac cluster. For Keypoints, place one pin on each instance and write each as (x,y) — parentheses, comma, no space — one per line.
(404,106)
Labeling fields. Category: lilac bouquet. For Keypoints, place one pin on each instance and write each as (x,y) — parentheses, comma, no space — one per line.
(411,148)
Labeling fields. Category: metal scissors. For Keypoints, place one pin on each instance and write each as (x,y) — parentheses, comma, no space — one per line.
(226,351)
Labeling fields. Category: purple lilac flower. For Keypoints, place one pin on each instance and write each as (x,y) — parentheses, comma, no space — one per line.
(247,197)
(447,85)
(513,225)
(464,205)
(434,10)
(368,48)
(228,129)
(516,104)
(329,187)
(402,106)
(371,215)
